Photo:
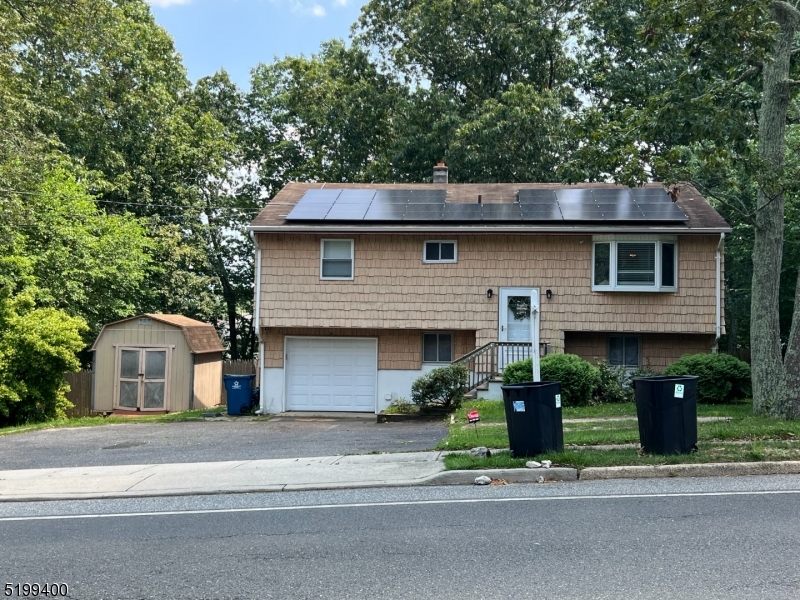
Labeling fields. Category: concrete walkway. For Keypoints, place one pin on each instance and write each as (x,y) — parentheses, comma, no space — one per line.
(122,481)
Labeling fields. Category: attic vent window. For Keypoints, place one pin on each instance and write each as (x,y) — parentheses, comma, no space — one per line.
(145,321)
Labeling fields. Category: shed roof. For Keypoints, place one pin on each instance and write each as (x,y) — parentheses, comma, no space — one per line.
(201,337)
(701,215)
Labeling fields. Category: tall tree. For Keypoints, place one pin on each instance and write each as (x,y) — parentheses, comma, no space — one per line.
(722,117)
(490,85)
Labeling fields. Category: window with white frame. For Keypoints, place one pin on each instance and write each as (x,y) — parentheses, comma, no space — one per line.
(624,351)
(439,251)
(631,264)
(336,259)
(437,347)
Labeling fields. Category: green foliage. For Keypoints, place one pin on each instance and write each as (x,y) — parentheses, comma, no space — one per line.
(614,384)
(401,406)
(37,346)
(578,378)
(723,378)
(443,386)
(518,372)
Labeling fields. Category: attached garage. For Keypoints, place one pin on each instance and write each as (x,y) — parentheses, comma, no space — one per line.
(331,374)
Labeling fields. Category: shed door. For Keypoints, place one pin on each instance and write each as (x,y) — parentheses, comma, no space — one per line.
(142,379)
(331,374)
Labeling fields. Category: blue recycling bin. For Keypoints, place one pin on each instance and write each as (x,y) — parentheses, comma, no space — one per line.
(238,392)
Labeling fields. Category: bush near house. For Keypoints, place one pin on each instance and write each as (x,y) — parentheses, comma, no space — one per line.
(723,378)
(578,378)
(443,387)
(614,384)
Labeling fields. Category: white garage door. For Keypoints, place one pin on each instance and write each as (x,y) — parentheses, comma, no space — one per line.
(331,374)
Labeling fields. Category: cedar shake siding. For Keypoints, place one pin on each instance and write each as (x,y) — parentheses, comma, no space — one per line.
(395,296)
(658,350)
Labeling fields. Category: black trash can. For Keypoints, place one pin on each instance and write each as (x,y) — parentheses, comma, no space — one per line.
(237,388)
(533,416)
(666,407)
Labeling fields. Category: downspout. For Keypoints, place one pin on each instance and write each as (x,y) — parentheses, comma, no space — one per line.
(718,331)
(257,322)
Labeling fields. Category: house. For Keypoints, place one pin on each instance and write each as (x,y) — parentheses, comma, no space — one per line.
(361,288)
(156,363)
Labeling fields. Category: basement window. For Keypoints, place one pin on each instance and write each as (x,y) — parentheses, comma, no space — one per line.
(437,347)
(624,351)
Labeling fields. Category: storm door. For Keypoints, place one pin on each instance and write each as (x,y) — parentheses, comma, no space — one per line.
(515,324)
(142,379)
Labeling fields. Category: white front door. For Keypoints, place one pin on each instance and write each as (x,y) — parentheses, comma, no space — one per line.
(331,374)
(515,322)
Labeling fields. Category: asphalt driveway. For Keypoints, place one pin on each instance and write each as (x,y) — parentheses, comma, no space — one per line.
(212,440)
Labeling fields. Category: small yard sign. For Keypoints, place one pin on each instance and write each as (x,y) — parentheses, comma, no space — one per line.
(679,390)
(473,416)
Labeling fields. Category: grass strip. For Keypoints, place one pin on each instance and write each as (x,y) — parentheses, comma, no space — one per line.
(743,426)
(708,452)
(177,417)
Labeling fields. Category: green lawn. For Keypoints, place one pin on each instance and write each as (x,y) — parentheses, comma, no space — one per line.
(743,426)
(708,452)
(189,415)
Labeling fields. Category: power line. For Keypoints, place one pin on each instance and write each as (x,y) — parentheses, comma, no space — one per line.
(124,203)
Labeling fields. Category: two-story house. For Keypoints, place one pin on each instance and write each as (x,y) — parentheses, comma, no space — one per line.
(361,288)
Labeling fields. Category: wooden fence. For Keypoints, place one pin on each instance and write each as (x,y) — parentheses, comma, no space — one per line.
(80,393)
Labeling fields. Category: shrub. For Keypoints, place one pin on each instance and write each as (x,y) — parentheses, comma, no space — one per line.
(723,378)
(614,384)
(37,346)
(518,372)
(401,406)
(441,387)
(578,378)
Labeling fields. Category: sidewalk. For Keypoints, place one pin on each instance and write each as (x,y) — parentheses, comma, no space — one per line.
(130,481)
(321,473)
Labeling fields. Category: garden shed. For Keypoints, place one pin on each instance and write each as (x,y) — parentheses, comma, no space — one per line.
(156,363)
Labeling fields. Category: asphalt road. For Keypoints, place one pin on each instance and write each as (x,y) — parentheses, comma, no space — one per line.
(213,440)
(678,538)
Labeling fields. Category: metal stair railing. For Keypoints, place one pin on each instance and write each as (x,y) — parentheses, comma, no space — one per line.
(487,362)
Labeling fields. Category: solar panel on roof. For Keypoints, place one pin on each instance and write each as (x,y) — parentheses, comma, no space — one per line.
(580,212)
(392,195)
(574,196)
(541,212)
(462,212)
(359,197)
(320,196)
(626,211)
(501,212)
(309,212)
(346,212)
(612,195)
(385,212)
(542,205)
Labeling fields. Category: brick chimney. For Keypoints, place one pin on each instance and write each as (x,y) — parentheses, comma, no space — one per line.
(440,173)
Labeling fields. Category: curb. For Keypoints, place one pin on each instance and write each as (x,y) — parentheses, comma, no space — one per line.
(467,477)
(696,470)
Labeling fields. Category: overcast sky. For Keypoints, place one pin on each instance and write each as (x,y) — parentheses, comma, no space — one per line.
(238,34)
